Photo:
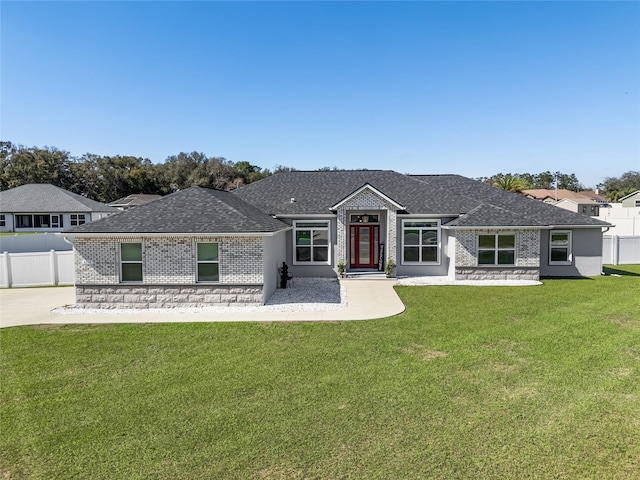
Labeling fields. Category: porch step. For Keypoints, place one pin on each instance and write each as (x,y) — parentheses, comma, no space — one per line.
(366,275)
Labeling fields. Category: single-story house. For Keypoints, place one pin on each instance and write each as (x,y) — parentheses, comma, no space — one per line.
(632,200)
(200,246)
(133,200)
(584,206)
(40,207)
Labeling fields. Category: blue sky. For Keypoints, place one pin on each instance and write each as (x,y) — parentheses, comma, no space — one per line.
(474,88)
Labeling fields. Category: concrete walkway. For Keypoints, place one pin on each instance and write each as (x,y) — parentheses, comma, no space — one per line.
(366,299)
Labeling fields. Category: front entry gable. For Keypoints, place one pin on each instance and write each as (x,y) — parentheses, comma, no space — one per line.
(367,197)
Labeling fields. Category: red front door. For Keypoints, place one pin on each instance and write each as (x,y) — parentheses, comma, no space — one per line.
(364,241)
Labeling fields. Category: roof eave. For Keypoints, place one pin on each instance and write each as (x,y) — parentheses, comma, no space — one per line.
(177,234)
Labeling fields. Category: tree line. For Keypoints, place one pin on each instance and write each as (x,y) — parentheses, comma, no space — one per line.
(108,178)
(613,188)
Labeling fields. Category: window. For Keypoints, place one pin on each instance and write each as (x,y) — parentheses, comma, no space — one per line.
(637,203)
(208,262)
(24,221)
(56,221)
(3,221)
(498,249)
(420,241)
(77,219)
(41,221)
(311,242)
(559,247)
(131,262)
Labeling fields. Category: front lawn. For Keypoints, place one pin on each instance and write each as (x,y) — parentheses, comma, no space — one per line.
(470,382)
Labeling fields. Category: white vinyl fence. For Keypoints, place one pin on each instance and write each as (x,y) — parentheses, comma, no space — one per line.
(40,242)
(36,269)
(620,250)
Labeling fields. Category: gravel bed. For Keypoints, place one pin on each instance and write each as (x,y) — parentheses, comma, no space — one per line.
(301,295)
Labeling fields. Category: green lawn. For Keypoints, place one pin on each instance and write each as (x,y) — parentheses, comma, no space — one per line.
(470,382)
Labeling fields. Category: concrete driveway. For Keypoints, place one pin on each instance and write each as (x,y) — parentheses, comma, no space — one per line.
(366,299)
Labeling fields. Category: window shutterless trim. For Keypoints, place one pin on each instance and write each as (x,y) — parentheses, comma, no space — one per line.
(568,247)
(129,262)
(438,246)
(497,249)
(207,262)
(311,245)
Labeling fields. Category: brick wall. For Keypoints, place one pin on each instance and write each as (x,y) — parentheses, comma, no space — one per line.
(367,200)
(527,264)
(168,261)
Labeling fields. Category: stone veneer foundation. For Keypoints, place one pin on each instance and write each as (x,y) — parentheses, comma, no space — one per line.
(497,273)
(167,296)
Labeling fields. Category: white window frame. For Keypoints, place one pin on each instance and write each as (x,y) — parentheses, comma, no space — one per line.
(299,225)
(78,219)
(497,249)
(141,262)
(438,246)
(198,262)
(569,248)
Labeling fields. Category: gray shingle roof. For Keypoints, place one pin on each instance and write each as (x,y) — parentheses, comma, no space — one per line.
(194,210)
(316,192)
(45,198)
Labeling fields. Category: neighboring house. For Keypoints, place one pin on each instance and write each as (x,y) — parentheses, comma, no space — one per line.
(133,200)
(200,247)
(631,200)
(583,206)
(586,202)
(595,196)
(38,207)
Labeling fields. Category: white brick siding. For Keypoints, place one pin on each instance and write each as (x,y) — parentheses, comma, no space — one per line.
(527,264)
(369,201)
(168,261)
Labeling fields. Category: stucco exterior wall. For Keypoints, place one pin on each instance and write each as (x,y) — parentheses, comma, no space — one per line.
(527,256)
(586,255)
(274,255)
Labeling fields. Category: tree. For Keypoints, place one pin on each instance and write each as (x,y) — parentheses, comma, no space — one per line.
(508,182)
(617,187)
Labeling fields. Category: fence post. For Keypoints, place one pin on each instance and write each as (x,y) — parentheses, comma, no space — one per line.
(615,249)
(5,269)
(52,266)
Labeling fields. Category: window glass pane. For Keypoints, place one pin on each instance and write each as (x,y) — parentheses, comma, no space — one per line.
(320,254)
(506,241)
(321,237)
(23,221)
(487,241)
(207,252)
(303,254)
(486,257)
(131,272)
(131,252)
(421,224)
(429,237)
(303,237)
(412,237)
(559,254)
(312,225)
(208,272)
(506,257)
(560,238)
(411,254)
(429,254)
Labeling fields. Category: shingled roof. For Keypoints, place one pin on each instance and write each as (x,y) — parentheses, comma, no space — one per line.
(45,198)
(191,211)
(304,193)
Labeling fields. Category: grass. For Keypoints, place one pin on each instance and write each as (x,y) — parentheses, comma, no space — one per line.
(470,382)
